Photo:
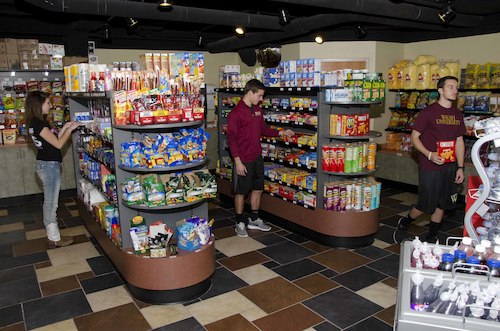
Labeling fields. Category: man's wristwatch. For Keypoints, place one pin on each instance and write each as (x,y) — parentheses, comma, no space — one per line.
(463,168)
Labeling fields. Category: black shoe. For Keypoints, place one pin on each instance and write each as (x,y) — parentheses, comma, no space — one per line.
(431,239)
(403,223)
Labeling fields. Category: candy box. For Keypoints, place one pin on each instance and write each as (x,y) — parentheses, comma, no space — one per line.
(446,149)
(174,116)
(146,117)
(187,114)
(160,116)
(198,113)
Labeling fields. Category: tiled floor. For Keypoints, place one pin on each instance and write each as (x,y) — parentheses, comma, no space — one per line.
(268,281)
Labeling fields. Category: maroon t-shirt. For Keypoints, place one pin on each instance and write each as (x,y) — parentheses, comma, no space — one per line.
(437,123)
(245,126)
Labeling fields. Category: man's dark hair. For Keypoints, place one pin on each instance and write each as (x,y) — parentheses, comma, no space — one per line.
(253,85)
(443,80)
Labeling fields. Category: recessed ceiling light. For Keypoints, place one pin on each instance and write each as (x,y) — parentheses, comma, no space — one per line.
(240,31)
(165,4)
(319,39)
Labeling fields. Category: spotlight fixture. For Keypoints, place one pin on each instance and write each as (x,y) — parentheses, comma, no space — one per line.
(106,33)
(284,17)
(240,31)
(319,39)
(447,14)
(165,4)
(132,23)
(360,31)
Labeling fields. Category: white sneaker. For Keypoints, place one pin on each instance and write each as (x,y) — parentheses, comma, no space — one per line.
(258,224)
(240,229)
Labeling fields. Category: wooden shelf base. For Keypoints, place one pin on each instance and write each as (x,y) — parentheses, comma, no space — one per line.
(165,280)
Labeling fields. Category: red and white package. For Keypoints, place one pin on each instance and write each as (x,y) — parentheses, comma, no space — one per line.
(446,149)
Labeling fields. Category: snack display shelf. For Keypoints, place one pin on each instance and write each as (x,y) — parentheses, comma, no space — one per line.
(371,134)
(157,126)
(361,173)
(309,90)
(351,103)
(300,188)
(96,134)
(286,143)
(480,113)
(96,185)
(293,124)
(409,110)
(95,158)
(288,108)
(189,165)
(298,203)
(290,164)
(164,207)
(86,94)
(398,130)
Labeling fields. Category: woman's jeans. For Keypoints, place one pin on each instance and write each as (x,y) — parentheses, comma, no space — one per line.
(49,173)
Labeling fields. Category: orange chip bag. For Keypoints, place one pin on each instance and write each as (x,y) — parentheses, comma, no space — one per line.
(446,149)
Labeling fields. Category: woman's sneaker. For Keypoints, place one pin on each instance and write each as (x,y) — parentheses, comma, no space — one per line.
(258,224)
(241,230)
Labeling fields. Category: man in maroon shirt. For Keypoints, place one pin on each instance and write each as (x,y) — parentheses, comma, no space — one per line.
(246,125)
(440,123)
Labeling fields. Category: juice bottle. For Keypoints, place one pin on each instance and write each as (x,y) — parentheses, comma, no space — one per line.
(466,246)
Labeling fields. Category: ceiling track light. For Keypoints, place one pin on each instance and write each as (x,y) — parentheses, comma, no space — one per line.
(318,39)
(165,5)
(284,17)
(132,23)
(360,31)
(106,33)
(240,31)
(200,41)
(447,13)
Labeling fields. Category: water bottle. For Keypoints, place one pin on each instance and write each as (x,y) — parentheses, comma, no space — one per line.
(447,261)
(494,267)
(496,253)
(466,246)
(436,305)
(417,296)
(437,251)
(431,293)
(488,250)
(481,254)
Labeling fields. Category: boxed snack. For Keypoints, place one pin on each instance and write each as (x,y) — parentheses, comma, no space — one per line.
(9,136)
(446,149)
(363,124)
(139,235)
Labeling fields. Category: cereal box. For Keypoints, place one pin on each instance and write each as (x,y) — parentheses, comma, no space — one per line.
(446,149)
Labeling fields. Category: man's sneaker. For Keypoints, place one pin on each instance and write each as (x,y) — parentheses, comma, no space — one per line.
(65,241)
(241,230)
(403,223)
(258,224)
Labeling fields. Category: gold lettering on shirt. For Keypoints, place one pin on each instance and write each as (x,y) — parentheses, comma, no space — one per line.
(447,120)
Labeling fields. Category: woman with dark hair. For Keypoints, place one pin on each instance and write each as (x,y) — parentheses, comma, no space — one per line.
(48,160)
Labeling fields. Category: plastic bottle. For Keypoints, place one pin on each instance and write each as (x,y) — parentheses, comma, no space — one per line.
(496,253)
(474,261)
(493,315)
(481,254)
(494,267)
(417,292)
(415,256)
(447,261)
(449,307)
(432,292)
(437,251)
(460,258)
(466,246)
(436,305)
(461,302)
(488,250)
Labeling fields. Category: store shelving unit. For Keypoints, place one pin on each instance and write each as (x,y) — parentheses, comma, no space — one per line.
(176,278)
(337,229)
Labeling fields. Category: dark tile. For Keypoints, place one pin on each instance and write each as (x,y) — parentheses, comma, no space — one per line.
(6,251)
(44,264)
(271,264)
(372,252)
(12,262)
(219,214)
(299,269)
(340,260)
(14,327)
(282,232)
(63,212)
(388,211)
(189,324)
(18,291)
(342,307)
(388,265)
(222,223)
(392,282)
(316,284)
(27,247)
(219,255)
(85,275)
(326,326)
(100,265)
(80,238)
(387,315)
(223,281)
(314,246)
(11,315)
(329,273)
(286,252)
(25,209)
(125,317)
(370,324)
(395,248)
(296,238)
(274,294)
(401,207)
(100,283)
(386,233)
(55,308)
(388,201)
(59,285)
(234,322)
(359,278)
(73,221)
(12,237)
(17,274)
(33,227)
(270,239)
(224,232)
(294,318)
(243,260)
(391,220)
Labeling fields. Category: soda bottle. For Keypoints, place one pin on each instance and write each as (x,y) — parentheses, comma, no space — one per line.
(496,253)
(466,246)
(447,261)
(488,250)
(461,302)
(435,307)
(494,267)
(417,296)
(449,307)
(432,292)
(493,315)
(481,254)
(474,261)
(460,258)
(415,256)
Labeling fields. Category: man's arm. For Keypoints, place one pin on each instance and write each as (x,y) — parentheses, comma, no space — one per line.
(431,155)
(460,154)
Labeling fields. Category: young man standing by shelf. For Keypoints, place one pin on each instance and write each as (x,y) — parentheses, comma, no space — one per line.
(245,127)
(438,179)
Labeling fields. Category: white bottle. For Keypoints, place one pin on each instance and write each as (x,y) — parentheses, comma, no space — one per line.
(417,292)
(488,250)
(432,292)
(466,246)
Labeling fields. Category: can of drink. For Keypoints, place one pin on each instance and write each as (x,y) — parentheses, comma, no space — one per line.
(379,189)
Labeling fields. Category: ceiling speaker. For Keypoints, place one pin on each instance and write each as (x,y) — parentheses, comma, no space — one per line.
(248,56)
(269,57)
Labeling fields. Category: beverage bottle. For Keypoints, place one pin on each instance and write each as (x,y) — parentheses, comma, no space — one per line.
(494,267)
(435,307)
(460,258)
(447,261)
(481,254)
(476,312)
(488,250)
(417,292)
(415,256)
(431,293)
(449,307)
(496,253)
(474,261)
(493,315)
(466,246)
(416,243)
(437,251)
(461,302)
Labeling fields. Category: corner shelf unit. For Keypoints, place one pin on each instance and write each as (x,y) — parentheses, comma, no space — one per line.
(177,278)
(332,228)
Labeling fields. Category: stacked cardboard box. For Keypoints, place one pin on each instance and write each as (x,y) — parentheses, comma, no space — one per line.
(29,54)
